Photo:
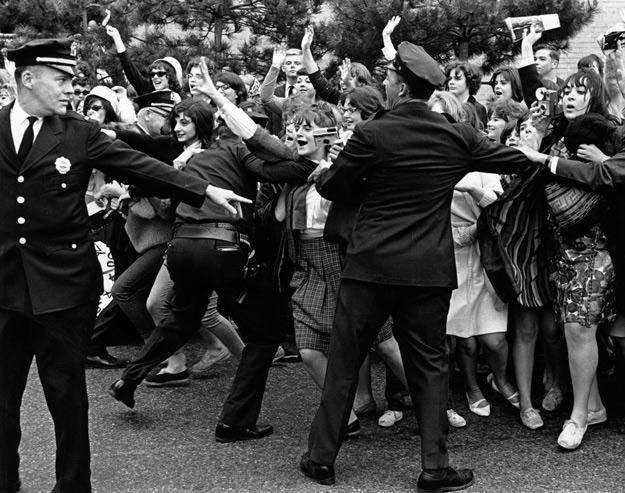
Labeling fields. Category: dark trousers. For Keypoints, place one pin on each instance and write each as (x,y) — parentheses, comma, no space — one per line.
(132,288)
(197,267)
(419,317)
(58,341)
(258,317)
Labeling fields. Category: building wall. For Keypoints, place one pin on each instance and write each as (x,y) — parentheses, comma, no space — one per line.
(585,42)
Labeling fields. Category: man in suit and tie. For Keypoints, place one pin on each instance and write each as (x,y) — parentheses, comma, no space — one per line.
(50,278)
(290,67)
(401,166)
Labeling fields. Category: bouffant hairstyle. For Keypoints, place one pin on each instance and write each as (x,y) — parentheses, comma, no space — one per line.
(365,98)
(320,114)
(506,110)
(200,113)
(471,73)
(361,74)
(235,82)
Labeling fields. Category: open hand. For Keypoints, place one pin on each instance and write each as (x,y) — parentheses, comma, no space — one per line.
(279,54)
(307,39)
(390,26)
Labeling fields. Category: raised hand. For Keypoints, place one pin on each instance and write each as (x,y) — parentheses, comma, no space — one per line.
(279,54)
(388,50)
(205,85)
(390,26)
(307,39)
(345,68)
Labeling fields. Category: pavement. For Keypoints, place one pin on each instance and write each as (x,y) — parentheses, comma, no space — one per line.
(166,444)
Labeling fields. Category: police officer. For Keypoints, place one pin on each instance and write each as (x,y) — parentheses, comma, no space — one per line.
(50,279)
(402,166)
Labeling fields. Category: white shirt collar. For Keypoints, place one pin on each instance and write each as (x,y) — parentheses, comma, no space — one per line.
(18,115)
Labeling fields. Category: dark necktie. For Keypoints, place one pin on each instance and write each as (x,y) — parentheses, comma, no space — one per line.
(291,91)
(27,140)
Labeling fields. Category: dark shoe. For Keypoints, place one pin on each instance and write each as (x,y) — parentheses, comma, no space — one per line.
(104,360)
(369,410)
(449,480)
(123,392)
(15,486)
(317,472)
(226,434)
(353,430)
(162,379)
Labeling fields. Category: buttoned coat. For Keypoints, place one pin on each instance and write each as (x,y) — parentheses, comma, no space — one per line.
(46,251)
(402,165)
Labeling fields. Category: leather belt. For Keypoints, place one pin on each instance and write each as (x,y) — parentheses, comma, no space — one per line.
(212,231)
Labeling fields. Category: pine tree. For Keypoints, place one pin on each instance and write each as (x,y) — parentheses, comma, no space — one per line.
(449,29)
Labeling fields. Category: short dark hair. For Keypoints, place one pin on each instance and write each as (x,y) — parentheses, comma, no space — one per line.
(511,75)
(200,113)
(235,82)
(554,53)
(471,73)
(586,62)
(365,98)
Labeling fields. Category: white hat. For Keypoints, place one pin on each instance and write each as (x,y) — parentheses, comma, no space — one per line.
(175,64)
(105,93)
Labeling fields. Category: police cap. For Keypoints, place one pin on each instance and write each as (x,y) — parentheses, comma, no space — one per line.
(55,53)
(413,60)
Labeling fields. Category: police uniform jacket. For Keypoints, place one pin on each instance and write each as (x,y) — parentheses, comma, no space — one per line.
(402,165)
(46,253)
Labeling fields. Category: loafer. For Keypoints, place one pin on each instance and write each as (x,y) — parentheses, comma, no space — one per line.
(280,353)
(450,480)
(123,392)
(553,399)
(572,435)
(320,473)
(227,434)
(370,409)
(164,379)
(513,399)
(104,360)
(204,367)
(15,486)
(390,418)
(353,430)
(455,419)
(478,407)
(531,419)
(597,417)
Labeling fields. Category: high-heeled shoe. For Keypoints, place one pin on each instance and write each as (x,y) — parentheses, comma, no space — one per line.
(478,408)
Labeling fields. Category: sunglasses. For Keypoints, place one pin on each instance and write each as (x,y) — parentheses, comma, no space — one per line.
(158,73)
(95,107)
(78,92)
